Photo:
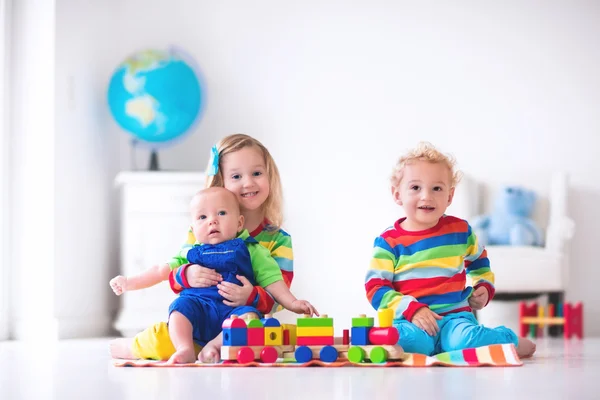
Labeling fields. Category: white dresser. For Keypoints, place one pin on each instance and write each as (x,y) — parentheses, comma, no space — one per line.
(154,224)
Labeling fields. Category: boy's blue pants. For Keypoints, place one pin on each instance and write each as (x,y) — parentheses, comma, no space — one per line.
(457,331)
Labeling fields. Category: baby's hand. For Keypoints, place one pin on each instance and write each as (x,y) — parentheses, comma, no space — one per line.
(119,285)
(303,307)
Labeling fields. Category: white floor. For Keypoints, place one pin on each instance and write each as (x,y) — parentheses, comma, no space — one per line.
(81,369)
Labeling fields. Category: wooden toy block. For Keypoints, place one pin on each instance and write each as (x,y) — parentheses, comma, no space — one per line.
(362,321)
(256,336)
(525,311)
(291,328)
(386,317)
(314,340)
(308,321)
(269,321)
(346,336)
(546,320)
(384,336)
(573,320)
(274,336)
(314,331)
(231,352)
(235,336)
(359,336)
(233,322)
(255,323)
(286,337)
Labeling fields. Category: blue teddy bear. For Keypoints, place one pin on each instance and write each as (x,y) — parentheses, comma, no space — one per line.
(509,224)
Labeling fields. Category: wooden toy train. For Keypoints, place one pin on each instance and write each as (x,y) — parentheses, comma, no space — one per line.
(532,319)
(266,340)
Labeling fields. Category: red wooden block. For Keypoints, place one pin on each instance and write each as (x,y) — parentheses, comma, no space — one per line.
(286,337)
(233,322)
(256,336)
(382,336)
(314,340)
(526,311)
(346,337)
(573,320)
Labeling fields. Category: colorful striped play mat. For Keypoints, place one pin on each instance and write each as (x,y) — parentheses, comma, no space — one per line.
(497,355)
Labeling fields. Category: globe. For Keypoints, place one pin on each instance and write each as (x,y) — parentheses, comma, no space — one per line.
(156,96)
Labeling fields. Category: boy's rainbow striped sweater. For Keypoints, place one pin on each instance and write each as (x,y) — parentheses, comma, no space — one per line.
(411,270)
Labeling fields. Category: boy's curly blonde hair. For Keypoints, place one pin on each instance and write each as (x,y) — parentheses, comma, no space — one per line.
(425,151)
(273,205)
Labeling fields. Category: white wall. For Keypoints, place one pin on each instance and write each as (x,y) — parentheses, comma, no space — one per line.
(63,161)
(337,90)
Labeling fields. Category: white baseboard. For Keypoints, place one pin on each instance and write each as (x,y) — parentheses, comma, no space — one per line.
(39,330)
(63,328)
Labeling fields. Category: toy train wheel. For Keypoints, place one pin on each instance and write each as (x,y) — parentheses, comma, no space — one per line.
(356,354)
(328,354)
(378,355)
(268,355)
(303,354)
(245,355)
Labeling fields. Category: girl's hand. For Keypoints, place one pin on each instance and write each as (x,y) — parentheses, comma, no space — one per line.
(235,295)
(202,277)
(303,307)
(426,319)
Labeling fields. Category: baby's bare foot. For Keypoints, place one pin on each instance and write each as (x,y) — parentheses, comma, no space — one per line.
(525,348)
(121,348)
(183,355)
(211,353)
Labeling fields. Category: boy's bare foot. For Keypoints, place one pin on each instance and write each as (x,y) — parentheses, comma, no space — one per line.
(211,353)
(121,348)
(525,348)
(184,355)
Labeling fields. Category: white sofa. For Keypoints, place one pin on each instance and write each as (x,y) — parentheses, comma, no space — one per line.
(522,271)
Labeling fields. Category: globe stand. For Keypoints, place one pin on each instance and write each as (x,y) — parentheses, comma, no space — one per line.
(153,161)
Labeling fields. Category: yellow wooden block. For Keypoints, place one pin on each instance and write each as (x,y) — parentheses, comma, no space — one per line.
(314,331)
(386,317)
(274,336)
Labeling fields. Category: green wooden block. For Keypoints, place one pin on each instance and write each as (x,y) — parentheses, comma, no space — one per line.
(255,323)
(363,322)
(314,322)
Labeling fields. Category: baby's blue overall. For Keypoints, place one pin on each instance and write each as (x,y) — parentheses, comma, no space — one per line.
(204,307)
(457,331)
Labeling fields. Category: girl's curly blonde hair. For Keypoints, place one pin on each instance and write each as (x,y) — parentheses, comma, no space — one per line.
(273,206)
(425,151)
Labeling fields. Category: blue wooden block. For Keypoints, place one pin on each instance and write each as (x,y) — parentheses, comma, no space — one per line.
(235,337)
(360,336)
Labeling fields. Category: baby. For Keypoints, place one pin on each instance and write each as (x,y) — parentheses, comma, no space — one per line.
(197,314)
